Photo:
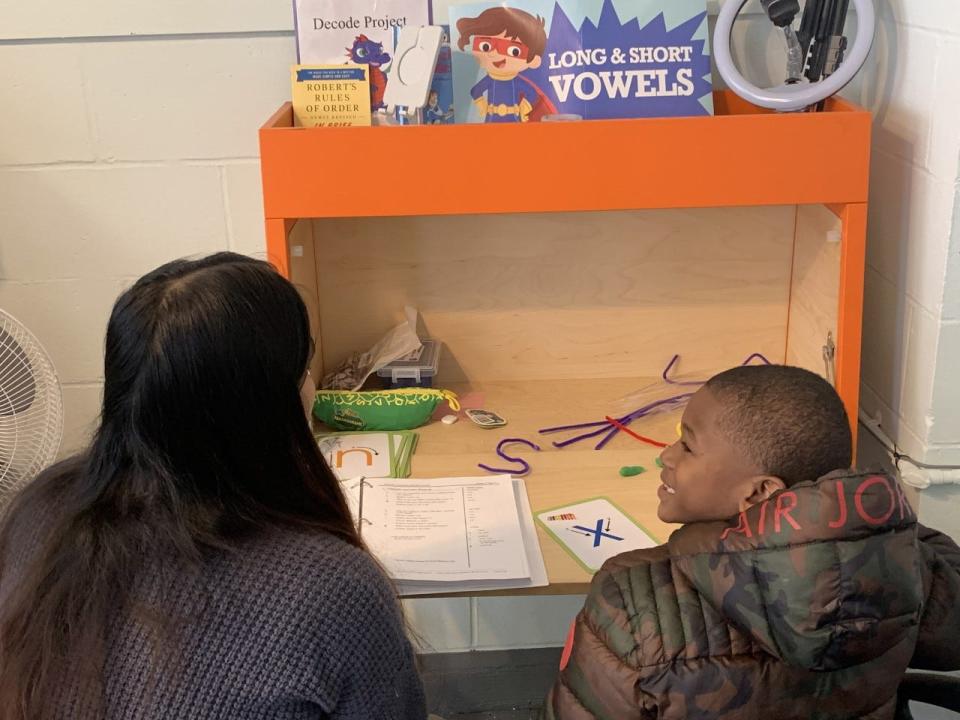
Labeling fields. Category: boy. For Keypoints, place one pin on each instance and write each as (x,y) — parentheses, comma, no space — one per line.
(810,603)
(505,42)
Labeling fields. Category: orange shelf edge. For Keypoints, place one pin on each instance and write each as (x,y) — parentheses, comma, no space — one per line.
(741,158)
(850,309)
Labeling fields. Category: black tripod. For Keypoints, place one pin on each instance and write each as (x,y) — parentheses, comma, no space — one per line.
(821,38)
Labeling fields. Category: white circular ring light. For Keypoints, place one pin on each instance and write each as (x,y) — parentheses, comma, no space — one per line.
(792,98)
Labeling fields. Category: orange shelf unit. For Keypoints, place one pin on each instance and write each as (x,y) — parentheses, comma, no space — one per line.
(740,157)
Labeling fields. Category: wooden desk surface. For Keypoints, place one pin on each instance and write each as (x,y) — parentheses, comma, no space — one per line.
(558,477)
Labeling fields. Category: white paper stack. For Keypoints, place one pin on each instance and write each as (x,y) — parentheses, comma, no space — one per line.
(450,534)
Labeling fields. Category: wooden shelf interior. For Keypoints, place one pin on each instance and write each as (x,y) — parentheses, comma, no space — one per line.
(553,318)
(578,296)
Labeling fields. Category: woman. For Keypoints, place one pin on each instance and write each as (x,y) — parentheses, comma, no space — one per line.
(199,559)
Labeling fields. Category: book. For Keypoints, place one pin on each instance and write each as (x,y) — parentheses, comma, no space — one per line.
(361,32)
(449,534)
(330,95)
(527,60)
(439,108)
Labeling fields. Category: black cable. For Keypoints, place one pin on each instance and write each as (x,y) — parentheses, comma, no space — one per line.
(898,456)
(808,24)
(820,41)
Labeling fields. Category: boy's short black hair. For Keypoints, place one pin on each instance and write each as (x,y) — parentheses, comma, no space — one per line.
(788,420)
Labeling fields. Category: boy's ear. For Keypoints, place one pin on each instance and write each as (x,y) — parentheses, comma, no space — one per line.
(535,63)
(762,488)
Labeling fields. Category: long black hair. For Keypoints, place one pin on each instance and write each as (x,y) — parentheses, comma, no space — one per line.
(203,441)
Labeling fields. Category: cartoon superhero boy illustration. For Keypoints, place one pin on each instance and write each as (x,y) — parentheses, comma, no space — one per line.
(505,42)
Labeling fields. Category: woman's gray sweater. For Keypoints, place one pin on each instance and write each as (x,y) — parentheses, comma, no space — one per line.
(289,626)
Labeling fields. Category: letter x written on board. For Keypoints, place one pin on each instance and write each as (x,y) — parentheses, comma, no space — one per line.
(598,532)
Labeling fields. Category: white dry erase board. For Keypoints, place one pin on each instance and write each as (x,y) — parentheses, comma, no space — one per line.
(327,30)
(415,58)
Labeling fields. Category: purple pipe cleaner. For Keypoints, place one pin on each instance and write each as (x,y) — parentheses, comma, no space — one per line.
(609,431)
(509,458)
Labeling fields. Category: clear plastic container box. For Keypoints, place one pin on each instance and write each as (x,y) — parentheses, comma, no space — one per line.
(415,370)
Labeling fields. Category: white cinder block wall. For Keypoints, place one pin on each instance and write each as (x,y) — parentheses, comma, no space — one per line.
(911,341)
(128,137)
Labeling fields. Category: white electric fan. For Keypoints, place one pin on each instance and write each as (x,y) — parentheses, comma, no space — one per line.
(31,408)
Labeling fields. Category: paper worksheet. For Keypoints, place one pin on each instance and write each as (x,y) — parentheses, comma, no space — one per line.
(449,529)
(531,545)
(594,530)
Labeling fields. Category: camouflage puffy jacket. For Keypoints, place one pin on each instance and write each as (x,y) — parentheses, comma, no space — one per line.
(809,606)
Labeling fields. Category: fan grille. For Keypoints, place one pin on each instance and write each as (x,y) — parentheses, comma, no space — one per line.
(31,407)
